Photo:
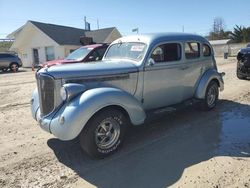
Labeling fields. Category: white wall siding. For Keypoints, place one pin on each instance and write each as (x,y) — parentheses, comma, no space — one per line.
(32,38)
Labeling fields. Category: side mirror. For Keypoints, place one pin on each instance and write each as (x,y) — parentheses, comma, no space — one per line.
(150,62)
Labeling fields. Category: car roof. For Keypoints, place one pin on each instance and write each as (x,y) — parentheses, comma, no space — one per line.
(6,53)
(94,45)
(153,37)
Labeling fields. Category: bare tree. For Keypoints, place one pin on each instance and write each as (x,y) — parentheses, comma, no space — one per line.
(219,25)
(218,29)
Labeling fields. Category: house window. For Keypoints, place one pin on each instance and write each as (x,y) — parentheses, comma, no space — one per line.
(71,50)
(49,52)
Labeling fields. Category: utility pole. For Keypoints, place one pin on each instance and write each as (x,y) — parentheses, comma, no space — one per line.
(183,29)
(97,24)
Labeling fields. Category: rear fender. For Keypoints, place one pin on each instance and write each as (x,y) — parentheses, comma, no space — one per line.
(207,77)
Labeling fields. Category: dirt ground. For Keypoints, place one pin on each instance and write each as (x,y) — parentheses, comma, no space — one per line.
(189,148)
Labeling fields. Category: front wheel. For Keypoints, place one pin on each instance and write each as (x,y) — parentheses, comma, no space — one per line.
(104,133)
(211,96)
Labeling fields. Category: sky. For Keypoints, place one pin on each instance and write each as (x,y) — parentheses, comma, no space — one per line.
(192,16)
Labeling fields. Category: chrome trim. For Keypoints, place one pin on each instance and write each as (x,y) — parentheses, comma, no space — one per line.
(42,101)
(83,80)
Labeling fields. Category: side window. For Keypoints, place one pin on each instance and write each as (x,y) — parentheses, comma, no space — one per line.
(166,53)
(101,52)
(206,50)
(93,56)
(192,50)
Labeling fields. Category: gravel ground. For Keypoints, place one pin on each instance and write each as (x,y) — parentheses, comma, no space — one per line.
(189,148)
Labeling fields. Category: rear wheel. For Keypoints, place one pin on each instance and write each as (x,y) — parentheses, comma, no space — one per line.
(104,133)
(211,96)
(14,67)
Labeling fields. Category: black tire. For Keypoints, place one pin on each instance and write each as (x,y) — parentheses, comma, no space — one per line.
(241,77)
(211,96)
(4,69)
(14,67)
(98,142)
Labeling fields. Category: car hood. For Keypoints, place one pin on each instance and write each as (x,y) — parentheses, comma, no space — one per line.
(58,62)
(245,50)
(91,69)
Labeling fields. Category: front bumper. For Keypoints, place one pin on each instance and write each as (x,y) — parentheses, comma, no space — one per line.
(243,70)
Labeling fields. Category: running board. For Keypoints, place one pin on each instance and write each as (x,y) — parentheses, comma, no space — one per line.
(155,114)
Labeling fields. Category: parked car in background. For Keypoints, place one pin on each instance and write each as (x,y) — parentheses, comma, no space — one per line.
(9,62)
(139,76)
(243,64)
(93,52)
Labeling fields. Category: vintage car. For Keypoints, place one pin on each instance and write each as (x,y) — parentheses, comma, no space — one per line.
(243,64)
(139,76)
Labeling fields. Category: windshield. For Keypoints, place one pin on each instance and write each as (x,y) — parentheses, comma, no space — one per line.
(78,54)
(126,50)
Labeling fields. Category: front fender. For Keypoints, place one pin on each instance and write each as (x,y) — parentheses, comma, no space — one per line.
(73,116)
(209,75)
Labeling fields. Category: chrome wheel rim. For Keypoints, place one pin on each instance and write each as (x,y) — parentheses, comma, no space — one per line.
(211,96)
(107,133)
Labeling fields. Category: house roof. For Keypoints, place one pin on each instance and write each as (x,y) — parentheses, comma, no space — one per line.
(63,35)
(219,42)
(100,35)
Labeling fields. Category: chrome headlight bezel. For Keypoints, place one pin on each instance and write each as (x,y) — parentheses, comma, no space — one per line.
(70,90)
(63,93)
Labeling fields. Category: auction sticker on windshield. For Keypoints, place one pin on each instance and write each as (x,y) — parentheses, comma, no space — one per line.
(137,48)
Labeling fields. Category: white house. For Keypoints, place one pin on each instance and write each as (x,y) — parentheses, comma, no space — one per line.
(37,42)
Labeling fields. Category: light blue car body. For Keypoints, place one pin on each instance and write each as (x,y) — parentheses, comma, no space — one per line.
(134,87)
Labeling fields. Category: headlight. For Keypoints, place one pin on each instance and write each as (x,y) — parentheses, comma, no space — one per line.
(71,90)
(63,93)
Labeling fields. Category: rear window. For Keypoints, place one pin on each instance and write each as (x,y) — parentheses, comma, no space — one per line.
(206,50)
(192,50)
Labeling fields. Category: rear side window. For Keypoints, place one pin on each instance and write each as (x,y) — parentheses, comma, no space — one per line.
(192,50)
(206,50)
(166,53)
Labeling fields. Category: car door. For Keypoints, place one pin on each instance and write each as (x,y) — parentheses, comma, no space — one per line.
(192,68)
(163,80)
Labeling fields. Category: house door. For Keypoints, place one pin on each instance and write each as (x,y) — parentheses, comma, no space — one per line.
(35,56)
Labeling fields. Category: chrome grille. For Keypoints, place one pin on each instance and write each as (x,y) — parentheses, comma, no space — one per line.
(46,86)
